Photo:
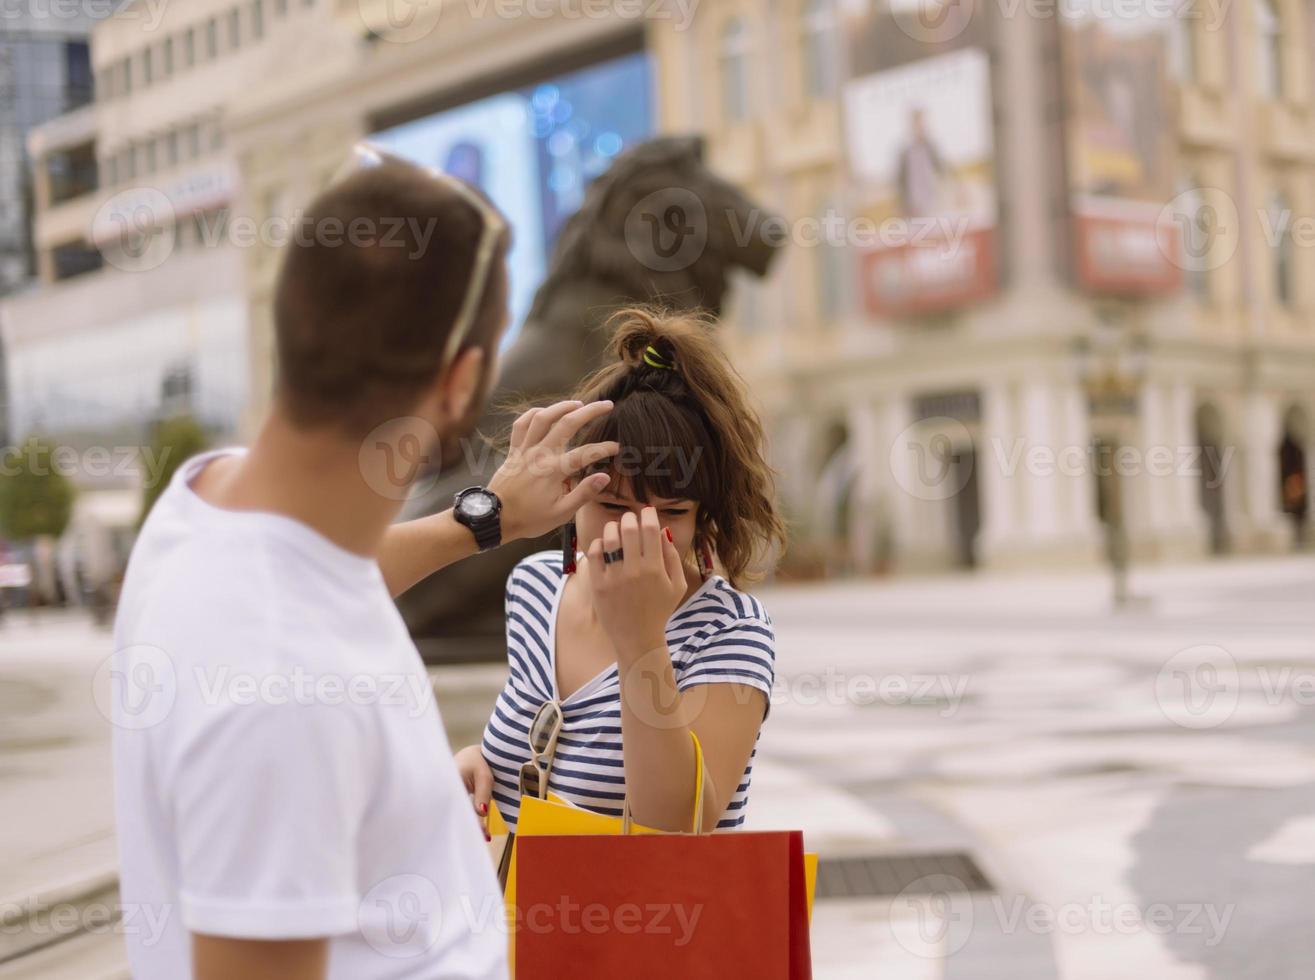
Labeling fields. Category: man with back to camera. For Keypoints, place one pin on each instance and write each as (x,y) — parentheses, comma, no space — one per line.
(287,803)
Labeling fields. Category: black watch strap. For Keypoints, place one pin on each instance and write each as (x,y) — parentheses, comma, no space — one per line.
(488,533)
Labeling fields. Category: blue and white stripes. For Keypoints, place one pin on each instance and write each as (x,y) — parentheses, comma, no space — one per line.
(720,635)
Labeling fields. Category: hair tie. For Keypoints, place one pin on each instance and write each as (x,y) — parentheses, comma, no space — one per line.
(654,359)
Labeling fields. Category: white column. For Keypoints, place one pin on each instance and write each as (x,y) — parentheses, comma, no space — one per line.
(1039,470)
(998,465)
(864,505)
(1079,507)
(1193,525)
(1268,528)
(1152,510)
(915,522)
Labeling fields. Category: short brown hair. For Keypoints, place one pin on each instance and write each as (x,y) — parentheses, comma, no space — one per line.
(683,399)
(370,288)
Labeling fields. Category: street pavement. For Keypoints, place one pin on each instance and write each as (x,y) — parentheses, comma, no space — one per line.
(1138,785)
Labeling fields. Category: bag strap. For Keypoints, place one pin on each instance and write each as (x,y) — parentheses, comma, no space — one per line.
(627,821)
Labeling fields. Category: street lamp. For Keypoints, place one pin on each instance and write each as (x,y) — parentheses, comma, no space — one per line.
(1112,365)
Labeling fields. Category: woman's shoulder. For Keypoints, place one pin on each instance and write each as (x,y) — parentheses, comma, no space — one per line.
(736,605)
(544,567)
(732,631)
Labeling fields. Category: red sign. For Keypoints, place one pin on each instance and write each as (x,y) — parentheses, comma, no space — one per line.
(931,275)
(1125,254)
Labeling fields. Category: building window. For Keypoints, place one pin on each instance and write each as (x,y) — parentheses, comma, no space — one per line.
(125,72)
(193,141)
(733,55)
(167,53)
(1269,49)
(171,148)
(189,47)
(148,68)
(212,39)
(234,29)
(129,165)
(111,169)
(1280,236)
(817,48)
(72,173)
(75,259)
(280,8)
(148,148)
(79,83)
(257,19)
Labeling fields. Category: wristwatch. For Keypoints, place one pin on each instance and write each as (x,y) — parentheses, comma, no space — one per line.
(481,511)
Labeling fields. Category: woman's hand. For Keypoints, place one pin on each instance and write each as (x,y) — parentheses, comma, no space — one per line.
(478,777)
(530,482)
(634,597)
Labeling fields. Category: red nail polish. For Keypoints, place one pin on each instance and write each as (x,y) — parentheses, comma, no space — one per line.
(483,808)
(668,533)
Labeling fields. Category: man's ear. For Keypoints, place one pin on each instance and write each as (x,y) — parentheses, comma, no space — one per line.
(460,385)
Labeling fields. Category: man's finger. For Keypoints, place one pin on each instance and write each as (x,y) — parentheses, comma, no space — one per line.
(565,427)
(582,456)
(544,420)
(521,426)
(586,490)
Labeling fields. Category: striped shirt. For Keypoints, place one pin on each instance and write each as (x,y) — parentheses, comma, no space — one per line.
(719,635)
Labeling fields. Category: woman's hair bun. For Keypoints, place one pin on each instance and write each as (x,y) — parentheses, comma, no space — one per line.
(637,329)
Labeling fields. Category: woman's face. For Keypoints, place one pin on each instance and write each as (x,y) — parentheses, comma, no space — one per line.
(677,514)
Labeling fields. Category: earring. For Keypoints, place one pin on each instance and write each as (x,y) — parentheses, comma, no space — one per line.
(705,559)
(568,547)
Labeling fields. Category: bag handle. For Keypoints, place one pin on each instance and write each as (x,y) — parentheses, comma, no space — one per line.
(626,820)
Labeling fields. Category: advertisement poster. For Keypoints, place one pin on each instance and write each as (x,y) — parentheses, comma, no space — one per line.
(919,135)
(1119,137)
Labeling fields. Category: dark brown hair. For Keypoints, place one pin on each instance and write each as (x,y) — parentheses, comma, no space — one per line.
(687,431)
(362,317)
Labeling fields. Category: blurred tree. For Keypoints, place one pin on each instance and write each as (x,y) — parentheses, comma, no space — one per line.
(175,440)
(36,499)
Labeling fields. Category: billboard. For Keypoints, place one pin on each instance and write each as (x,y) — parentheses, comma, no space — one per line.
(919,135)
(533,151)
(1119,151)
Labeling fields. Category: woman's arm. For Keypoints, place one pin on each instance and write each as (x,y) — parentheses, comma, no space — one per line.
(531,483)
(634,600)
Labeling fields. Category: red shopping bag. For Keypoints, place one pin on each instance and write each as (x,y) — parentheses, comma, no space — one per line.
(714,906)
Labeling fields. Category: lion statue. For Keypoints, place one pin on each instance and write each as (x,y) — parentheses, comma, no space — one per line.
(657,226)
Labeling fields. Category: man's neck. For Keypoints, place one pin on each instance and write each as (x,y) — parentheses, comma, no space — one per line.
(312,477)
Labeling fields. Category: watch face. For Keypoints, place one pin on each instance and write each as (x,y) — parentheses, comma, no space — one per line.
(477,505)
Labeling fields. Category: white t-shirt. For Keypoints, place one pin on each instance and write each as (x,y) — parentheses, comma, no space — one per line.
(281,770)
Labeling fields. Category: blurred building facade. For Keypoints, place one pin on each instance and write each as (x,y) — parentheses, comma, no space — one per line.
(45,70)
(1062,415)
(1107,341)
(138,313)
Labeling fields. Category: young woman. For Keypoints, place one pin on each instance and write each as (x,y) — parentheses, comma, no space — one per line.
(627,639)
